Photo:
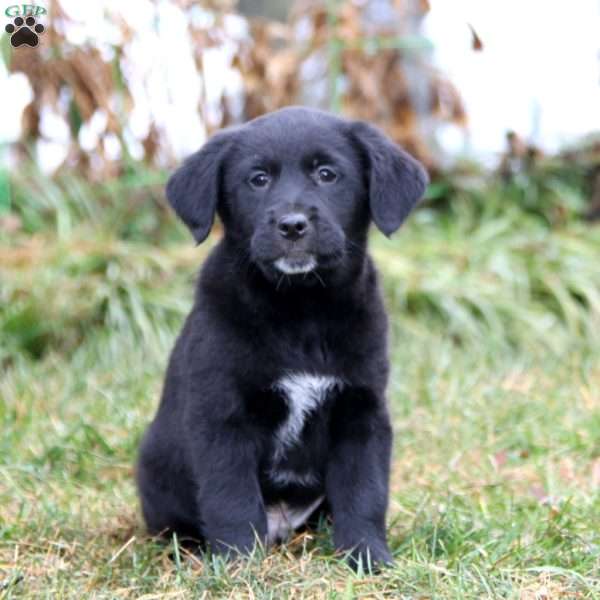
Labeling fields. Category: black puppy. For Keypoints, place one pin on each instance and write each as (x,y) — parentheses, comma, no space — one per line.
(274,401)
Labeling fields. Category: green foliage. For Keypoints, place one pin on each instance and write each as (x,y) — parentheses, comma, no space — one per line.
(484,264)
(131,208)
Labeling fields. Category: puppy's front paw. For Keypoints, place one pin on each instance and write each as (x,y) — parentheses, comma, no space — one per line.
(370,558)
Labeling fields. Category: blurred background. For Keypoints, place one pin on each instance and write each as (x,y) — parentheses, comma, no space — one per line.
(499,100)
(493,285)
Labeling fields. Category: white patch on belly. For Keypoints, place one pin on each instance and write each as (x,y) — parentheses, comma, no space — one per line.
(282,519)
(304,393)
(287,476)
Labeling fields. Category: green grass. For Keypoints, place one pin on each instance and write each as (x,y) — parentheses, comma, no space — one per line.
(495,395)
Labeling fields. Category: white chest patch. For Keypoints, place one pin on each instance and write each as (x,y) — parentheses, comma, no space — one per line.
(304,393)
(282,519)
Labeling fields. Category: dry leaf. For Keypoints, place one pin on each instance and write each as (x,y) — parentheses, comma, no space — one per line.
(476,42)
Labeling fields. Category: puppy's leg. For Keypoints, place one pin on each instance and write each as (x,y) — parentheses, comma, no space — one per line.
(230,504)
(165,505)
(357,477)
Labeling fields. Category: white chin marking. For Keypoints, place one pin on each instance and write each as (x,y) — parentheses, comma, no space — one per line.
(289,267)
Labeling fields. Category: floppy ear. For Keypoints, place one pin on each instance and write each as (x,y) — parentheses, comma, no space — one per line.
(396,180)
(193,190)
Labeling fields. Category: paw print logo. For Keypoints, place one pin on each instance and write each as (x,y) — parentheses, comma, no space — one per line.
(24,31)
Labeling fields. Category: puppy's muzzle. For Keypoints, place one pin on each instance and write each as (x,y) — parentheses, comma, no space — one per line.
(296,229)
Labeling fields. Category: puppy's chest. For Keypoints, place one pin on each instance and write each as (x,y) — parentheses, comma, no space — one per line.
(304,395)
(294,412)
(299,439)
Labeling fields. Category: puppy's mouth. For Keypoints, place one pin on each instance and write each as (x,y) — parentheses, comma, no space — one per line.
(291,265)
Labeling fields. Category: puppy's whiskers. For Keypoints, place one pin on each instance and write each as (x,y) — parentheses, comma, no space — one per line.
(319,278)
(355,248)
(281,277)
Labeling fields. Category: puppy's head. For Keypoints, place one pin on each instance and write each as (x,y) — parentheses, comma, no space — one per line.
(296,190)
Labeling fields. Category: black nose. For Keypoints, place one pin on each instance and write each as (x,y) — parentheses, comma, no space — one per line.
(293,227)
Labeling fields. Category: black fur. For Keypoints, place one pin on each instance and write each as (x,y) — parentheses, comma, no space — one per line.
(205,461)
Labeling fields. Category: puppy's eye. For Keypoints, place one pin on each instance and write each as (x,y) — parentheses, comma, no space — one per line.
(326,175)
(260,180)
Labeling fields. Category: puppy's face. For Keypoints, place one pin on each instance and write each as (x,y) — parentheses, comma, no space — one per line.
(294,193)
(296,190)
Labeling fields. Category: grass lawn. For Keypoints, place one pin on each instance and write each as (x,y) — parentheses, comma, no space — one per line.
(495,394)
